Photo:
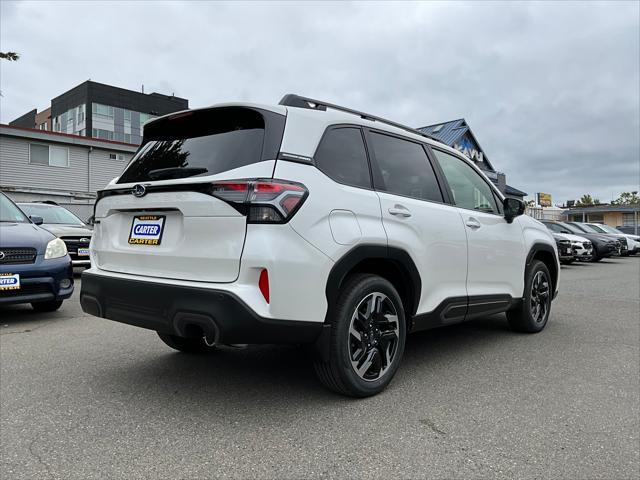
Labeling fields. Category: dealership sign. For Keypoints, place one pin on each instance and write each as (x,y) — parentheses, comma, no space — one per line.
(544,199)
(467,148)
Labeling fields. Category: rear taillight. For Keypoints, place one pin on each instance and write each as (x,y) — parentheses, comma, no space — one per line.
(262,201)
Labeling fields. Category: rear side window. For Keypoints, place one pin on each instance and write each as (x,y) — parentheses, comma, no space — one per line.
(341,156)
(205,142)
(405,168)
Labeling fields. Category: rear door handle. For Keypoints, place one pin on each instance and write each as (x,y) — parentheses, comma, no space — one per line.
(473,223)
(399,211)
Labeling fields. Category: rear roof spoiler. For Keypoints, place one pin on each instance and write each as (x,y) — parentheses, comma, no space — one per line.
(293,100)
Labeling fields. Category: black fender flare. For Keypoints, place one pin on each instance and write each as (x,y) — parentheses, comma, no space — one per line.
(360,253)
(544,247)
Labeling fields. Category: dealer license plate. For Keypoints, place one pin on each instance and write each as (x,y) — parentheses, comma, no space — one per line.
(9,281)
(83,252)
(146,230)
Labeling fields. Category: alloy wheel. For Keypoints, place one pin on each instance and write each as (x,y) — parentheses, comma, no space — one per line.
(540,299)
(374,334)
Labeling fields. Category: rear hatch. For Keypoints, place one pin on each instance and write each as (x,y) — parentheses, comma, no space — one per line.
(163,217)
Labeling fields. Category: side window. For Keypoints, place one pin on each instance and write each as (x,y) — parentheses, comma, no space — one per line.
(342,157)
(469,189)
(405,168)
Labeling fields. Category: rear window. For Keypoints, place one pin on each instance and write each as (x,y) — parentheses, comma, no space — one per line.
(205,142)
(342,157)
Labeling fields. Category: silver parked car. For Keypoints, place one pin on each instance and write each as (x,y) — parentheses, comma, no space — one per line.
(62,223)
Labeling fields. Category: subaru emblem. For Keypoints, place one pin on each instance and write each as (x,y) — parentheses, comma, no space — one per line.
(139,190)
(85,240)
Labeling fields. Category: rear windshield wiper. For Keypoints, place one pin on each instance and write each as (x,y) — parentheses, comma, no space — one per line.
(175,172)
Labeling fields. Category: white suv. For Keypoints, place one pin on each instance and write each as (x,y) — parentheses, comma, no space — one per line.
(310,223)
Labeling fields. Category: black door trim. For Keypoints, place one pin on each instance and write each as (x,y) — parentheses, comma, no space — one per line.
(460,309)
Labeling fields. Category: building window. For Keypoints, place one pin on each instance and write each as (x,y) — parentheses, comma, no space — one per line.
(58,156)
(145,117)
(628,220)
(127,138)
(48,155)
(127,115)
(116,156)
(38,154)
(102,134)
(43,126)
(102,110)
(595,218)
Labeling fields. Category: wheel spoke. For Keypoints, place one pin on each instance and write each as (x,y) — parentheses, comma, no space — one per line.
(367,363)
(390,321)
(355,333)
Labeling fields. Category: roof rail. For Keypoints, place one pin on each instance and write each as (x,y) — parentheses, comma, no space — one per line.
(293,100)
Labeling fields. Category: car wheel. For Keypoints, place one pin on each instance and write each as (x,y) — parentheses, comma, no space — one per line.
(188,345)
(532,315)
(367,338)
(595,259)
(51,306)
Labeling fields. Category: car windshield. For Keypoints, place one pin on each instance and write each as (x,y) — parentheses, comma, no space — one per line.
(597,228)
(575,228)
(9,212)
(51,213)
(589,228)
(571,227)
(609,229)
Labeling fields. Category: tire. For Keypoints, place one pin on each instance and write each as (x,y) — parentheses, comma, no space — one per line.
(595,259)
(353,326)
(532,315)
(51,306)
(187,345)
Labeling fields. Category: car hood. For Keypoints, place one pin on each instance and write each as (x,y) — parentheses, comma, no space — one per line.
(598,237)
(62,230)
(573,238)
(24,235)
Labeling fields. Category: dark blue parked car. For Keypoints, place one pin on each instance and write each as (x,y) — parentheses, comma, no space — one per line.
(34,265)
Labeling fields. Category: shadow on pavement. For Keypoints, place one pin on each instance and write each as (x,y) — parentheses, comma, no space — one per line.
(273,374)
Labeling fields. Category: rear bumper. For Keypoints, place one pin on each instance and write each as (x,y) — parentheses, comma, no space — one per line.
(177,309)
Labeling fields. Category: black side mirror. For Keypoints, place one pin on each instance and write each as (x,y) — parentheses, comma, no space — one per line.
(91,221)
(36,219)
(512,208)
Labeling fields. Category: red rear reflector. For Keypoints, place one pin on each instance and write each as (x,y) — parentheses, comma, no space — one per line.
(263,284)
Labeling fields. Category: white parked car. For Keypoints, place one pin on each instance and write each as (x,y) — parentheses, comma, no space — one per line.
(582,247)
(307,222)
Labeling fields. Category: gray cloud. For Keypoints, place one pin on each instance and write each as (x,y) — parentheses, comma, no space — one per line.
(551,90)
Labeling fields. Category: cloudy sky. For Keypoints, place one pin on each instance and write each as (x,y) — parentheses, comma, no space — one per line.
(550,90)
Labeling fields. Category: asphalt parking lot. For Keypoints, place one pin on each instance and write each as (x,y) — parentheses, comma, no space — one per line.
(84,398)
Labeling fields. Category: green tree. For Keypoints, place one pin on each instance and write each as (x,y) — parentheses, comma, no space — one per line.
(11,56)
(586,200)
(627,198)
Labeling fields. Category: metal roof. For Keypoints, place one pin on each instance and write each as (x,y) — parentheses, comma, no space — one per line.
(449,132)
(509,190)
(605,209)
(57,137)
